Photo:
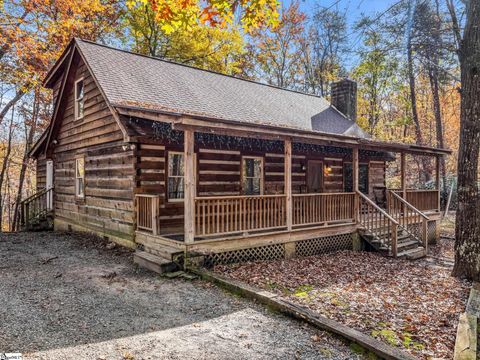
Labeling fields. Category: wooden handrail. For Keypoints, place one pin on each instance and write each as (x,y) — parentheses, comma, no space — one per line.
(409,217)
(383,212)
(238,197)
(328,193)
(406,203)
(36,195)
(33,207)
(147,211)
(323,208)
(236,214)
(378,223)
(421,199)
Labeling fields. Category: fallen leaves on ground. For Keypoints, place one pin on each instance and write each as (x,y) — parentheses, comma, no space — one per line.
(444,248)
(406,304)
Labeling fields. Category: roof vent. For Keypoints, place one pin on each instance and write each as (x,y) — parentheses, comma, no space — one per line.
(344,97)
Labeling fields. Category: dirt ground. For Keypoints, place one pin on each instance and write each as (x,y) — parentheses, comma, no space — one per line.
(66,296)
(413,305)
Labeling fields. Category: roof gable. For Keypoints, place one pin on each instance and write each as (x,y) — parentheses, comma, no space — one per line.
(68,63)
(134,80)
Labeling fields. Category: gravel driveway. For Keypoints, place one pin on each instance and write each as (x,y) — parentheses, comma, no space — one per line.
(67,296)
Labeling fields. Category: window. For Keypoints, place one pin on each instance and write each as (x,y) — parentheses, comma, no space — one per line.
(79,99)
(80,178)
(362,177)
(252,175)
(176,171)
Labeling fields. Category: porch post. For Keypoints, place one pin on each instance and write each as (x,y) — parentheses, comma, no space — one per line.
(288,183)
(437,180)
(402,175)
(189,183)
(355,177)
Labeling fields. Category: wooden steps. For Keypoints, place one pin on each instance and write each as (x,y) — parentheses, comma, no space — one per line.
(153,262)
(407,247)
(413,253)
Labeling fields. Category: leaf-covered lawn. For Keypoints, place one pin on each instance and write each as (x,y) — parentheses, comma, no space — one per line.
(407,304)
(444,248)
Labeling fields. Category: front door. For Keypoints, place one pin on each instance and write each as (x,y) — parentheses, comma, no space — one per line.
(314,176)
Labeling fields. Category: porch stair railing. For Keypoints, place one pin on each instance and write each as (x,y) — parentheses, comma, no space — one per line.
(401,229)
(35,211)
(412,221)
(380,229)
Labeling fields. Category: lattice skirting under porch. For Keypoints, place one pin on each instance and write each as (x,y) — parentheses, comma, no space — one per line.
(432,231)
(324,245)
(309,247)
(269,252)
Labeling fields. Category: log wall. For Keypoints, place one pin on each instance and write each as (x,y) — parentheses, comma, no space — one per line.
(107,208)
(219,174)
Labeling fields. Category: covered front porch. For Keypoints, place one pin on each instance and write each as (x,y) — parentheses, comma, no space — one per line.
(386,218)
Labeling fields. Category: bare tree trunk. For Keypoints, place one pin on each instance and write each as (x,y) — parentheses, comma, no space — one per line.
(6,160)
(433,76)
(467,230)
(23,170)
(424,174)
(9,105)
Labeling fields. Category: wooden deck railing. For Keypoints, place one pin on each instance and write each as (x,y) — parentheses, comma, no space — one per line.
(147,207)
(378,223)
(319,208)
(233,214)
(423,200)
(408,217)
(35,207)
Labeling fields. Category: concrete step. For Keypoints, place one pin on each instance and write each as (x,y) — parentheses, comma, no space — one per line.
(413,254)
(153,262)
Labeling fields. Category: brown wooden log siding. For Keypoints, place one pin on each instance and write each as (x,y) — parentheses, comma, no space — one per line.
(376,176)
(109,173)
(219,174)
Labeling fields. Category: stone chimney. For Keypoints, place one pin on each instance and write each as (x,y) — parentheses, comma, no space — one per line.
(344,97)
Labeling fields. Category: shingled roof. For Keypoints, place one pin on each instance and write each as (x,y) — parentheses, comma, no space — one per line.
(129,79)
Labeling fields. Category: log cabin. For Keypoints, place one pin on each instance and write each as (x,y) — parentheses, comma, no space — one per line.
(170,159)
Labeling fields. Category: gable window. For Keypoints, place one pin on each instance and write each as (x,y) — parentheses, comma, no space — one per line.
(252,175)
(80,178)
(176,172)
(79,92)
(362,178)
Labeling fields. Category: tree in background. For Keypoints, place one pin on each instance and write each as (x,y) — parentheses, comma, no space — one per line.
(377,83)
(33,35)
(173,15)
(276,52)
(202,46)
(322,48)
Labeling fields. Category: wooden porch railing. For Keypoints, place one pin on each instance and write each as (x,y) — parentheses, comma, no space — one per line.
(408,217)
(378,223)
(233,214)
(318,208)
(35,207)
(423,200)
(147,207)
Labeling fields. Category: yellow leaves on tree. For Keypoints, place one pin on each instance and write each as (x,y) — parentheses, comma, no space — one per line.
(202,46)
(176,14)
(37,31)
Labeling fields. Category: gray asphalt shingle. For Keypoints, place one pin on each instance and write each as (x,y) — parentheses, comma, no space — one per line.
(131,79)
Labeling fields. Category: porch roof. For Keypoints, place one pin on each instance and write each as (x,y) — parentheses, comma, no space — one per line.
(220,126)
